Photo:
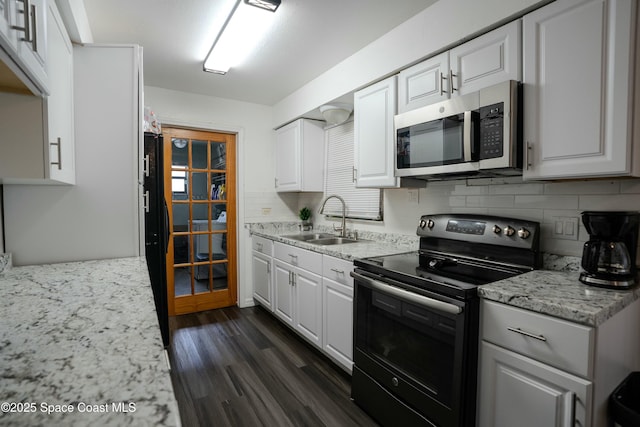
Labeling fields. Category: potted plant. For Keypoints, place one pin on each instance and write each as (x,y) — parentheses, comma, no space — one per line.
(305,217)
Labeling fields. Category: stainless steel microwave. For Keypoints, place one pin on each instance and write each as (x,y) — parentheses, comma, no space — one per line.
(477,134)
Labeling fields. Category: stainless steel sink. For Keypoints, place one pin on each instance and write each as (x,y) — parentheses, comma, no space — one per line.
(311,236)
(333,241)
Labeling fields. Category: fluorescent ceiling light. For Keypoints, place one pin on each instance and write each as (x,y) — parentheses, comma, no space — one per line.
(244,27)
(270,5)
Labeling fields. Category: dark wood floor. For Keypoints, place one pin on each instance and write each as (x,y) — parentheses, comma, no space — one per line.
(242,367)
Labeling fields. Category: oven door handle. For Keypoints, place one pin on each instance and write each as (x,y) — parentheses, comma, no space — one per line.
(408,296)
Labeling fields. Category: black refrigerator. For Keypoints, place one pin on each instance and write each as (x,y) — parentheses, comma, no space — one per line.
(156,227)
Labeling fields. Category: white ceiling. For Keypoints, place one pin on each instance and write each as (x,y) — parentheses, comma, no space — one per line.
(308,37)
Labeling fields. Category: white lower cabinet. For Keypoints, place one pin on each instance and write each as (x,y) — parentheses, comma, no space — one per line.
(538,370)
(261,266)
(298,290)
(310,292)
(520,391)
(337,311)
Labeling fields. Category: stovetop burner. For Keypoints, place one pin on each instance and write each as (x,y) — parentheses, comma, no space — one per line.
(460,252)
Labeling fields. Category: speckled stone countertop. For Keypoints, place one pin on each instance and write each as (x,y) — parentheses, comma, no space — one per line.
(82,336)
(373,244)
(555,290)
(560,294)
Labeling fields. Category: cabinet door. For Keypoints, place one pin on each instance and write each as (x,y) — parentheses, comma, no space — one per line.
(576,89)
(424,83)
(261,269)
(374,109)
(338,322)
(7,34)
(288,157)
(308,310)
(518,391)
(283,291)
(32,44)
(59,103)
(487,60)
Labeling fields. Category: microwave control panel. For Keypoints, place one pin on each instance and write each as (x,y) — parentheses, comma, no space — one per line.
(492,131)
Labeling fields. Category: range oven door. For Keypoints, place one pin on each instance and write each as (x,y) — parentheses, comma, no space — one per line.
(417,347)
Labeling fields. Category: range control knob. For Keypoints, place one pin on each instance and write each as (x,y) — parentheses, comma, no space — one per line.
(523,233)
(509,231)
(496,229)
(422,224)
(430,223)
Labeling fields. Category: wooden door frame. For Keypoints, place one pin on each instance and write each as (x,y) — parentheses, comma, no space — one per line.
(187,304)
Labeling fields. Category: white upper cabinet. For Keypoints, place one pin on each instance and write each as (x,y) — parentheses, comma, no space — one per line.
(23,46)
(374,148)
(32,41)
(60,100)
(487,60)
(38,144)
(578,89)
(424,83)
(300,156)
(7,36)
(484,61)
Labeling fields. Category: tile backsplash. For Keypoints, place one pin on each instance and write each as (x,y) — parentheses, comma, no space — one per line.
(556,205)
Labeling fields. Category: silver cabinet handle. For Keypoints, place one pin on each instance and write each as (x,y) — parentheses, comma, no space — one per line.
(58,143)
(27,22)
(528,155)
(268,268)
(442,79)
(335,270)
(34,29)
(259,246)
(145,163)
(570,411)
(527,334)
(408,296)
(293,257)
(451,76)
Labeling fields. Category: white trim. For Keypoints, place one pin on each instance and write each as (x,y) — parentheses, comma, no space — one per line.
(244,296)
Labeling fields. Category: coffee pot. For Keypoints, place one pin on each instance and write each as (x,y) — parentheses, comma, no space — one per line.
(609,257)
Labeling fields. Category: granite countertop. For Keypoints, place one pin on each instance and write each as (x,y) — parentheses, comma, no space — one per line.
(372,244)
(560,294)
(83,336)
(555,290)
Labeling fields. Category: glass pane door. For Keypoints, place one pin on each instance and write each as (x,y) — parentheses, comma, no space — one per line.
(201,171)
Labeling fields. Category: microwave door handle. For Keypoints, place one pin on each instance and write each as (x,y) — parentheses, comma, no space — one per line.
(466,136)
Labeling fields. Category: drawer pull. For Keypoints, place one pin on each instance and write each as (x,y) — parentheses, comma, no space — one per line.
(527,334)
(335,270)
(293,256)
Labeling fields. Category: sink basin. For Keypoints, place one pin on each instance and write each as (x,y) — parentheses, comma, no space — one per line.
(310,236)
(333,241)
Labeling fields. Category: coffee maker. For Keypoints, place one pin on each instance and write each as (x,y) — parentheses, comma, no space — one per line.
(609,257)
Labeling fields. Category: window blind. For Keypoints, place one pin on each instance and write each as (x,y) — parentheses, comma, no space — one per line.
(362,203)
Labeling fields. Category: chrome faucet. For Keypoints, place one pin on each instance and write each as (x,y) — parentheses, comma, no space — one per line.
(343,229)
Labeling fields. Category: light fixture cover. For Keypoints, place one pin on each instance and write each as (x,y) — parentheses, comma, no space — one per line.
(270,5)
(336,113)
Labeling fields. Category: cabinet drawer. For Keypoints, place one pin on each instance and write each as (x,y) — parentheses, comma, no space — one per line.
(262,245)
(559,343)
(308,260)
(337,270)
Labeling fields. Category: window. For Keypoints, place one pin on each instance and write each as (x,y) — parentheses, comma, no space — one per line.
(178,181)
(361,203)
